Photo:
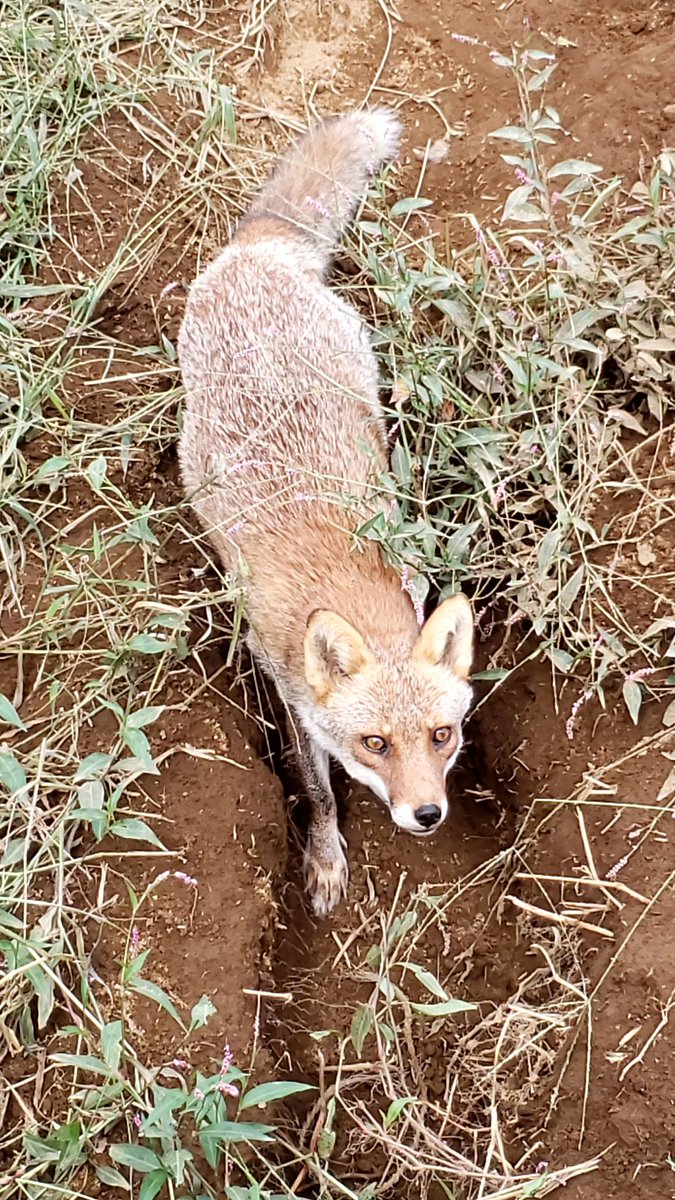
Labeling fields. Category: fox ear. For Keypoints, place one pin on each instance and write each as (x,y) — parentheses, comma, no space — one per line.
(447,637)
(334,650)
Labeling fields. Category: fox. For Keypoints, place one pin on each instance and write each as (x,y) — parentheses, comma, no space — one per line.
(283,452)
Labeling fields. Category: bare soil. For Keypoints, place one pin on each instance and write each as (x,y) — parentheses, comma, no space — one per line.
(249,926)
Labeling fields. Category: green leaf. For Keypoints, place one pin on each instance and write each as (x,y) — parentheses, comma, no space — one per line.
(139,745)
(632,694)
(669,715)
(111,1177)
(534,1187)
(578,323)
(410,204)
(561,660)
(135,965)
(176,1159)
(94,817)
(12,773)
(362,1023)
(9,714)
(9,922)
(51,468)
(517,207)
(447,1009)
(136,831)
(325,1144)
(573,166)
(43,986)
(667,788)
(547,549)
(400,464)
(145,643)
(512,133)
(571,589)
(146,987)
(96,473)
(396,1108)
(41,1149)
(387,988)
(111,1043)
(265,1093)
(153,1184)
(538,81)
(139,1158)
(427,980)
(91,794)
(92,766)
(85,1062)
(454,310)
(14,851)
(144,716)
(212,1152)
(237,1131)
(201,1012)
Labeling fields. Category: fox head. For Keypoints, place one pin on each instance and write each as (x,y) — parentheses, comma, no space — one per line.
(393,718)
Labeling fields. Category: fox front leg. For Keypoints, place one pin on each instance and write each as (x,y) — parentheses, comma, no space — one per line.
(325,863)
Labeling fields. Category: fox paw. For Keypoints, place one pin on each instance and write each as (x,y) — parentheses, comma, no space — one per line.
(326,878)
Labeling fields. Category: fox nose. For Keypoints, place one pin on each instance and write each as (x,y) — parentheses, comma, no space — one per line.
(428,815)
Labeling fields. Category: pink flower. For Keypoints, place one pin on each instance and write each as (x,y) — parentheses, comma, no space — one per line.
(618,866)
(188,880)
(493,256)
(181,876)
(228,1089)
(569,727)
(135,942)
(641,674)
(318,206)
(407,586)
(234,528)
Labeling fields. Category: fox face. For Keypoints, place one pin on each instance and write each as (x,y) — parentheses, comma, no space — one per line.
(393,717)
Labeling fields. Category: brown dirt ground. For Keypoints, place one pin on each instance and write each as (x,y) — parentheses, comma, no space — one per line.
(226,823)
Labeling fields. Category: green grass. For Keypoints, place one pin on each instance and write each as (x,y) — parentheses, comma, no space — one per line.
(511,365)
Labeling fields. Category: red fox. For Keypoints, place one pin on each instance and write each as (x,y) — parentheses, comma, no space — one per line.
(282,450)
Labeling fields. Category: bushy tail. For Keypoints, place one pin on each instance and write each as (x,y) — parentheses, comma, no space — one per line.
(317,185)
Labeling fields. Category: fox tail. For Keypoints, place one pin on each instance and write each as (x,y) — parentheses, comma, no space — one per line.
(318,184)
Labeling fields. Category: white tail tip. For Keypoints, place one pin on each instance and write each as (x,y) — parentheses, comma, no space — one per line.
(384,127)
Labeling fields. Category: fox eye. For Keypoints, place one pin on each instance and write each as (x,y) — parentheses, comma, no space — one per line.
(442,735)
(376,745)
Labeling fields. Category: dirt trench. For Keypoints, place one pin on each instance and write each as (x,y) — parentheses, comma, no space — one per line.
(249,928)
